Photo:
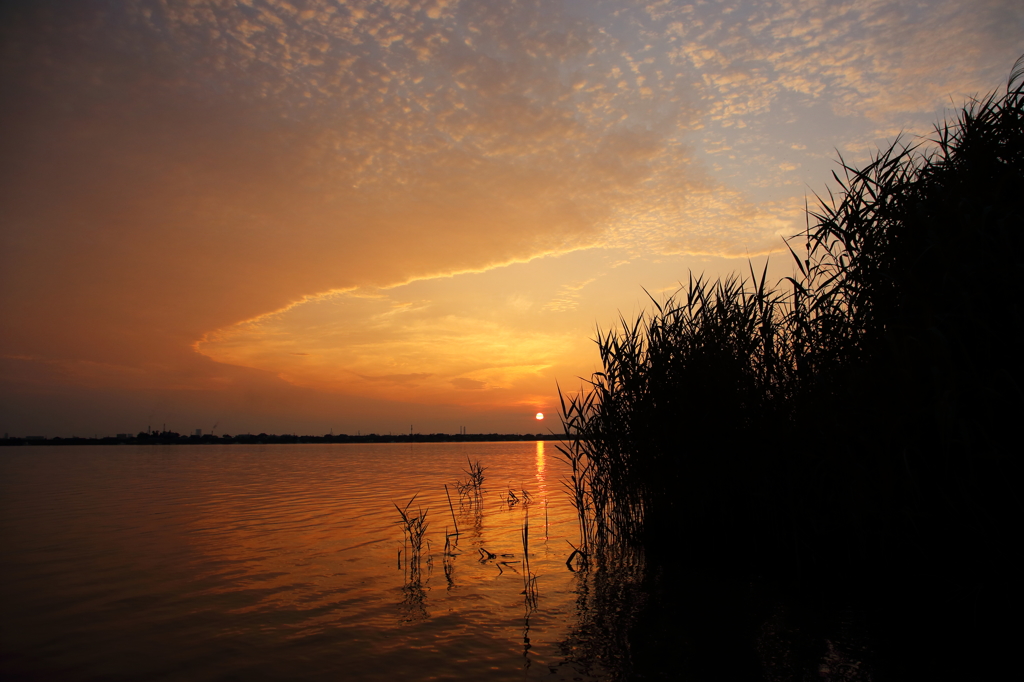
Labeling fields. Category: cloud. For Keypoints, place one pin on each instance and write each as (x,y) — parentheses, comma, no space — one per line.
(569,296)
(468,384)
(464,340)
(399,379)
(865,57)
(214,161)
(357,347)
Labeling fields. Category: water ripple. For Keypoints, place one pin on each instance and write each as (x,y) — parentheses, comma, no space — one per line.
(275,562)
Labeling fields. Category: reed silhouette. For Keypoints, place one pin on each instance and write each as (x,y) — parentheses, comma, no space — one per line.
(847,436)
(530,591)
(414,529)
(471,489)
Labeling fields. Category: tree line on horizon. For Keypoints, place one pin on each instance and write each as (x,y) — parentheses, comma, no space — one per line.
(174,438)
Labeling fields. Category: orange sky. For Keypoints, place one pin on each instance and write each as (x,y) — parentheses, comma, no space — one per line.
(297,217)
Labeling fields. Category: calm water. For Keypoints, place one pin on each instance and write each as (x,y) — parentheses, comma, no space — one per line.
(278,562)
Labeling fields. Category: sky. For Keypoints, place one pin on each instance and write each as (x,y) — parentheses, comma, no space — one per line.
(326,216)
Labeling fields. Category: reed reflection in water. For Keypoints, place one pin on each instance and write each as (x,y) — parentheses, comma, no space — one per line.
(280,562)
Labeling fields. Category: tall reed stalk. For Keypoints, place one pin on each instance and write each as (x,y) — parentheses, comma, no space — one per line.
(414,528)
(529,578)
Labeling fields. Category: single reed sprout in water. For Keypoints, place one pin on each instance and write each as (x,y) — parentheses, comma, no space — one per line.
(511,499)
(476,475)
(452,510)
(414,528)
(529,578)
(472,487)
(448,559)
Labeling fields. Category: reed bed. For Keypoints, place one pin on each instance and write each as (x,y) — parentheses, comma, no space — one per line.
(855,422)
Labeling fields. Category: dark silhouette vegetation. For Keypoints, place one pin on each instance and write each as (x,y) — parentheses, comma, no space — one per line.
(838,452)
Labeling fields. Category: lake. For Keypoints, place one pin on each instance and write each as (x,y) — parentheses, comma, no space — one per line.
(218,562)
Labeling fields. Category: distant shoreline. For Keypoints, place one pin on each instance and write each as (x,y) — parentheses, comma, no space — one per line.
(171,438)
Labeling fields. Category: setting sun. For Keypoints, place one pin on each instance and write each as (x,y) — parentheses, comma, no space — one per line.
(540,415)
